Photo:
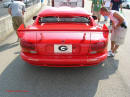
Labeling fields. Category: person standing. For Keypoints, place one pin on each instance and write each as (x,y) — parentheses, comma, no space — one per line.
(95,8)
(16,10)
(48,3)
(116,5)
(107,5)
(119,29)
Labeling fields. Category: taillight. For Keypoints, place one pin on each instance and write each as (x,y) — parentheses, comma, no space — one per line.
(27,45)
(98,45)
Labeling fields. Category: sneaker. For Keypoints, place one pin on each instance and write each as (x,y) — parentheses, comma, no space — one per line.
(110,54)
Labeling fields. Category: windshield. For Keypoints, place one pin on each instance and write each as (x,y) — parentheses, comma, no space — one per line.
(76,19)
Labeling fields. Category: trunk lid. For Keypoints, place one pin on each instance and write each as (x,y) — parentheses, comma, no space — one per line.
(63,42)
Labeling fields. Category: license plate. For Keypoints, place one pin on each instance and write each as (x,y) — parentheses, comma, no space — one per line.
(62,48)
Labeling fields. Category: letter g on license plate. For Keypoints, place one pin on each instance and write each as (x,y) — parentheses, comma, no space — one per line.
(62,48)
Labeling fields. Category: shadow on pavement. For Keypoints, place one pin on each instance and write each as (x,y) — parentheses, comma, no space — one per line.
(53,82)
(8,46)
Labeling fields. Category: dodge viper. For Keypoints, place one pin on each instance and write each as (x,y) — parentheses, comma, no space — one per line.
(63,37)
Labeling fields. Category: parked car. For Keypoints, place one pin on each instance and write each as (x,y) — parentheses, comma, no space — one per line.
(64,37)
(26,2)
(126,4)
(7,3)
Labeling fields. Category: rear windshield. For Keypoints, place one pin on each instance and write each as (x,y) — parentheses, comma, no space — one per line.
(76,19)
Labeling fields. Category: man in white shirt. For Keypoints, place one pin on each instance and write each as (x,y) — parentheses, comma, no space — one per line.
(16,10)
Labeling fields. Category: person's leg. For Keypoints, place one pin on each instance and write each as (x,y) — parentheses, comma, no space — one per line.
(20,20)
(17,21)
(108,9)
(99,16)
(110,53)
(119,38)
(115,48)
(14,20)
(105,18)
(113,38)
(121,35)
(95,14)
(15,25)
(48,3)
(98,20)
(112,45)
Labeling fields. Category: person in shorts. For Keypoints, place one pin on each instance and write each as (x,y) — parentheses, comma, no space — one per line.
(16,10)
(119,28)
(95,8)
(116,5)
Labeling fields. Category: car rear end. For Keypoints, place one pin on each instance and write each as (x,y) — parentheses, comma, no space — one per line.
(67,48)
(64,37)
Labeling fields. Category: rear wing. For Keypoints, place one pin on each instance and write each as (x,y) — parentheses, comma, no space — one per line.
(23,28)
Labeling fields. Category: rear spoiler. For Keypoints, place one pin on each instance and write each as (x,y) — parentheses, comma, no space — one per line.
(22,28)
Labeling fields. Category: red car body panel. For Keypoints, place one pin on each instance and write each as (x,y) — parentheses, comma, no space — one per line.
(63,44)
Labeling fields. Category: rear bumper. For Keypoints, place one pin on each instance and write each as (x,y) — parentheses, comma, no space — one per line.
(63,61)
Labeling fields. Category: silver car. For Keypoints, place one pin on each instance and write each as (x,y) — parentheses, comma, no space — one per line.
(126,4)
(7,3)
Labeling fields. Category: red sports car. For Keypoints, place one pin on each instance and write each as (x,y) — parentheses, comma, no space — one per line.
(64,37)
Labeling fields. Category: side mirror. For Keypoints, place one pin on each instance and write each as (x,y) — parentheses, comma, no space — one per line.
(94,17)
(34,17)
